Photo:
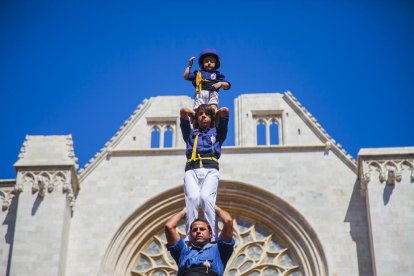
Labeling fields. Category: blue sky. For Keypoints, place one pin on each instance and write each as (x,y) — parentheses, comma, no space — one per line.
(82,67)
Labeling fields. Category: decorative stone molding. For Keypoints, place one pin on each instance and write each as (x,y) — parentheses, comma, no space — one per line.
(47,163)
(46,182)
(389,171)
(7,193)
(42,182)
(6,198)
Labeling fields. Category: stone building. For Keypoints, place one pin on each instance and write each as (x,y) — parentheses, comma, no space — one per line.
(301,204)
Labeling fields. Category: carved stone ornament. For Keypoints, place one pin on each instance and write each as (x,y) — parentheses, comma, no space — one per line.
(18,188)
(6,198)
(389,171)
(42,181)
(366,178)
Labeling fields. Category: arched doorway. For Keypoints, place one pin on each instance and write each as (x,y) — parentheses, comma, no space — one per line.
(272,238)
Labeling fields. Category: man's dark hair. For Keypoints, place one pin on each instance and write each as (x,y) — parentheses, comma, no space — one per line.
(208,110)
(202,220)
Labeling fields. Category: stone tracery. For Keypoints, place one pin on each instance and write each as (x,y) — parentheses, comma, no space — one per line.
(256,253)
(271,236)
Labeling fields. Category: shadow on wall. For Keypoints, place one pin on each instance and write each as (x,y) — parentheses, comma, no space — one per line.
(10,222)
(356,216)
(36,204)
(386,196)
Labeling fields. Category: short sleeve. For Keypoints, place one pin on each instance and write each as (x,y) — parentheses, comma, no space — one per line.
(176,249)
(225,249)
(191,75)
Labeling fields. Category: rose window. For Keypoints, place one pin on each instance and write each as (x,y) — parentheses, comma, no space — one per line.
(256,252)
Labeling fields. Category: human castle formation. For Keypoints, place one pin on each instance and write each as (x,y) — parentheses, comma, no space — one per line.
(204,130)
(299,199)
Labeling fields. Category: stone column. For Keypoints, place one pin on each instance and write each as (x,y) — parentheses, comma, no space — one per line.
(46,186)
(387,182)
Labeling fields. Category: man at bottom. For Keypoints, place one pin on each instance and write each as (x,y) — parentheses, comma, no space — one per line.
(200,256)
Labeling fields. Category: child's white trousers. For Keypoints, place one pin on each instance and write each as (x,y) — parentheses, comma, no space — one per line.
(200,189)
(205,97)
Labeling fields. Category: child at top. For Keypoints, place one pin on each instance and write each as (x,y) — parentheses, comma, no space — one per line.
(207,80)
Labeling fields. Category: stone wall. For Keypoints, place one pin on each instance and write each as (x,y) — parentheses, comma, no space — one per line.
(8,210)
(387,177)
(58,222)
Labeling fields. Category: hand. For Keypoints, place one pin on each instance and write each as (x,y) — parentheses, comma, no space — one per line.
(186,112)
(184,212)
(217,85)
(191,61)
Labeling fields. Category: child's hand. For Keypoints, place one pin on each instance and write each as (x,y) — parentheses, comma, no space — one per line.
(217,85)
(221,84)
(191,61)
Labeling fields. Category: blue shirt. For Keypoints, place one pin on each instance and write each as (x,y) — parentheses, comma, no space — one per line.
(210,78)
(217,254)
(209,142)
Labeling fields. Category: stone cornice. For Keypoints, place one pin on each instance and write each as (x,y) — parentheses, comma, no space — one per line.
(227,149)
(389,163)
(319,131)
(6,193)
(47,180)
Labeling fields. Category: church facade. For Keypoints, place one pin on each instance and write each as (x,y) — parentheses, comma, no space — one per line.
(301,205)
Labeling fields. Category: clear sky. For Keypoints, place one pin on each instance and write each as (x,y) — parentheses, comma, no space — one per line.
(82,67)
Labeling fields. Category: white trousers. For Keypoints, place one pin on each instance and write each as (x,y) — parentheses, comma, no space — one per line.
(205,97)
(200,189)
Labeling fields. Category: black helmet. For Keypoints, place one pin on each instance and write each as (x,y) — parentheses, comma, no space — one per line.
(209,52)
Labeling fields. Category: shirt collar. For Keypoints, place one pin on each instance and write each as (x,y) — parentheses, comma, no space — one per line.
(208,245)
(203,129)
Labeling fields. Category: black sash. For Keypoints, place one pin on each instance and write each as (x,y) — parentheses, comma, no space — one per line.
(198,271)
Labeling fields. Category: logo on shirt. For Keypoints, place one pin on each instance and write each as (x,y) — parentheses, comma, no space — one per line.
(213,140)
(213,76)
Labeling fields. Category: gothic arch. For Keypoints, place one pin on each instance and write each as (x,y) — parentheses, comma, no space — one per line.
(242,201)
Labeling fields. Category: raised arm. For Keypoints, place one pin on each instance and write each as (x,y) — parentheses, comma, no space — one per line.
(171,227)
(187,70)
(223,112)
(185,113)
(223,115)
(227,231)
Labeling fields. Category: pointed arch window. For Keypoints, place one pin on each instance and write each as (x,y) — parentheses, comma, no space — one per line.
(155,137)
(163,132)
(269,129)
(261,133)
(274,132)
(168,137)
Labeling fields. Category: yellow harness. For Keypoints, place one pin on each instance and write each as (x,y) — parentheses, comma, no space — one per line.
(199,82)
(199,158)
